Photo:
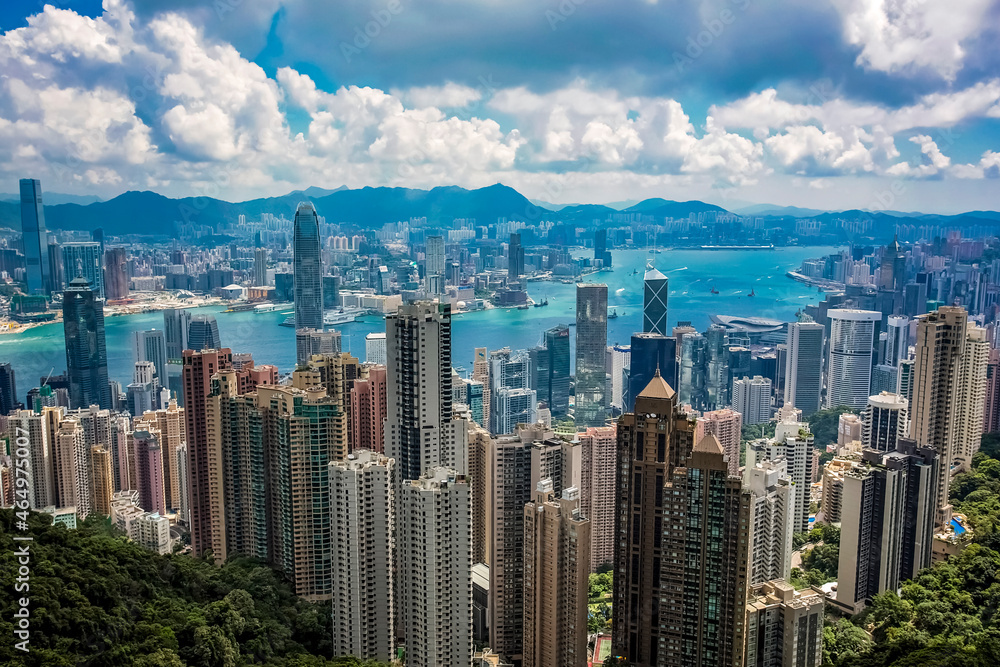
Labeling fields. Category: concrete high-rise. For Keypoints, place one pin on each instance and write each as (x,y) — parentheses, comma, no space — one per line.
(772,521)
(620,361)
(434,266)
(149,473)
(168,424)
(375,348)
(71,465)
(591,405)
(804,367)
(598,447)
(101,486)
(315,341)
(793,443)
(203,466)
(943,396)
(152,346)
(203,333)
(654,302)
(362,529)
(706,516)
(991,407)
(35,237)
(752,399)
(853,334)
(884,420)
(512,400)
(260,267)
(368,410)
(971,403)
(85,259)
(420,431)
(307,268)
(653,442)
(481,373)
(115,273)
(86,354)
(557,560)
(436,568)
(784,626)
(727,426)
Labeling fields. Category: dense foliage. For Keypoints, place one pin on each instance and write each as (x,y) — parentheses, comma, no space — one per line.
(98,599)
(599,599)
(820,555)
(824,424)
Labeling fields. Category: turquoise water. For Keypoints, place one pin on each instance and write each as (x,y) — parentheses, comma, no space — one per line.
(957,527)
(692,274)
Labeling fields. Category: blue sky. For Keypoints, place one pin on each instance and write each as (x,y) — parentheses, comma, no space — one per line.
(827,104)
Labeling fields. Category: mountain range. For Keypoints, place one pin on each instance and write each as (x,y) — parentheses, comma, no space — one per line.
(154,214)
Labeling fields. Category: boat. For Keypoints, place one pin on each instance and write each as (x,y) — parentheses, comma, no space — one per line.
(715,291)
(752,293)
(265,308)
(543,302)
(342,316)
(613,315)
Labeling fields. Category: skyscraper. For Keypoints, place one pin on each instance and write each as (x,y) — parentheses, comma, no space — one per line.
(620,362)
(652,443)
(597,491)
(149,473)
(260,266)
(591,340)
(100,481)
(307,268)
(784,626)
(115,273)
(650,352)
(368,410)
(85,259)
(175,330)
(884,421)
(86,354)
(752,399)
(726,425)
(203,333)
(654,302)
(772,521)
(420,432)
(363,564)
(434,266)
(375,348)
(706,516)
(8,389)
(35,238)
(693,375)
(793,443)
(152,346)
(556,567)
(804,367)
(897,343)
(853,334)
(436,568)
(512,401)
(553,371)
(515,257)
(309,342)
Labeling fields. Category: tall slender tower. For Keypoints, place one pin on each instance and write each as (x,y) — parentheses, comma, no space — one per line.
(804,366)
(515,257)
(86,354)
(36,242)
(653,442)
(116,273)
(852,344)
(434,266)
(307,268)
(556,569)
(553,371)
(591,342)
(654,303)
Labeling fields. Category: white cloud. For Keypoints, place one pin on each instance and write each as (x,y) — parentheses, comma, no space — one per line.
(905,35)
(988,167)
(449,95)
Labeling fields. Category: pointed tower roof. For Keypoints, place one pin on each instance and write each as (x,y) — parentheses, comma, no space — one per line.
(657,388)
(710,445)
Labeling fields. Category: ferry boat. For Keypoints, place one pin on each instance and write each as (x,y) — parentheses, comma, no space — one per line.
(613,315)
(543,302)
(342,316)
(265,308)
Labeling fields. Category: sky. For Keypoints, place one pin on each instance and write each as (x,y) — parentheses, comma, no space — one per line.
(834,104)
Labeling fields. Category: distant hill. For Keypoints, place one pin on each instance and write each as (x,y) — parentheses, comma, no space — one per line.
(55,198)
(674,209)
(771,210)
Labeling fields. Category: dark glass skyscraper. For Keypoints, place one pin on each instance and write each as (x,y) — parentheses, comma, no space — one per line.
(654,302)
(36,243)
(8,389)
(175,330)
(650,351)
(203,333)
(553,371)
(591,341)
(86,354)
(515,257)
(307,268)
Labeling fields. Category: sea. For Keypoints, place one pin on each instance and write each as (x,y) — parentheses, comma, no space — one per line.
(692,274)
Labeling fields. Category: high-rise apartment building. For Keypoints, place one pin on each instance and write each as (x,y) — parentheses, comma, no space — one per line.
(436,568)
(101,487)
(793,443)
(706,517)
(591,405)
(368,410)
(375,348)
(35,238)
(71,464)
(512,400)
(653,442)
(751,397)
(149,474)
(556,576)
(152,346)
(884,420)
(309,342)
(853,334)
(168,425)
(772,521)
(481,448)
(85,259)
(727,426)
(784,626)
(598,447)
(115,273)
(804,367)
(363,540)
(307,268)
(86,354)
(654,302)
(971,403)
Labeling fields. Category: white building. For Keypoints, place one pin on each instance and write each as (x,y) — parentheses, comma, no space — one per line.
(153,532)
(435,569)
(849,369)
(362,524)
(804,366)
(621,356)
(752,399)
(375,348)
(772,514)
(794,443)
